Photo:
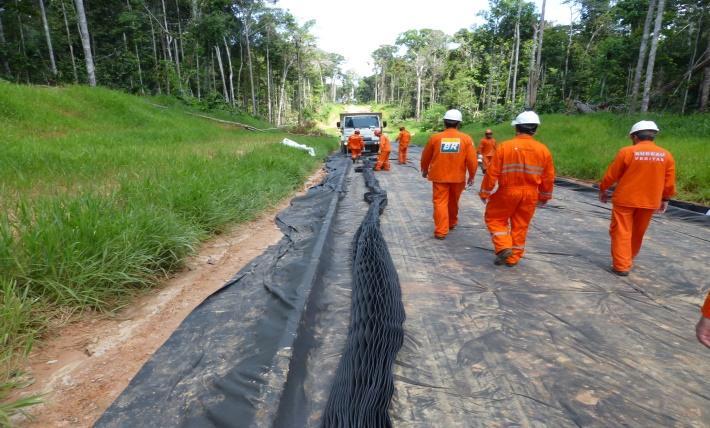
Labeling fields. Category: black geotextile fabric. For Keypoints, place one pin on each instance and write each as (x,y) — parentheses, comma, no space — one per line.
(227,363)
(364,383)
(557,340)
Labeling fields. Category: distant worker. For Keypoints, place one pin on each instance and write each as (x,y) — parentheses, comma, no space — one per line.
(404,138)
(383,158)
(486,149)
(645,174)
(525,174)
(355,145)
(445,160)
(702,330)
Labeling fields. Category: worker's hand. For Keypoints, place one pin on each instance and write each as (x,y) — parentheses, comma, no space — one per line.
(425,173)
(662,208)
(603,196)
(484,200)
(702,331)
(469,183)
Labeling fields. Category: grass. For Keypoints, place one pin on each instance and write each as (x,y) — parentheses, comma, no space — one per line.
(584,145)
(102,194)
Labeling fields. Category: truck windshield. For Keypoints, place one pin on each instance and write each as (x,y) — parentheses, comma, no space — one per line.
(362,122)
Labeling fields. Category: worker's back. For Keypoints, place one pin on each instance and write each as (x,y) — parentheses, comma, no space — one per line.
(522,162)
(448,155)
(404,138)
(487,146)
(355,141)
(644,172)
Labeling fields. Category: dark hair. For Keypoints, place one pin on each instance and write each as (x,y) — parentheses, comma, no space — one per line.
(401,128)
(646,135)
(526,128)
(451,123)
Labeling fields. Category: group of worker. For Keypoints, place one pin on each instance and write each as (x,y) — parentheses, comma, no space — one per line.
(356,144)
(519,176)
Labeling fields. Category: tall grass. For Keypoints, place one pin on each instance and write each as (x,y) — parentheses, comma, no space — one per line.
(584,145)
(102,193)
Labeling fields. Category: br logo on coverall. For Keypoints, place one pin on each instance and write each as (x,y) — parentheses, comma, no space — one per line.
(450,145)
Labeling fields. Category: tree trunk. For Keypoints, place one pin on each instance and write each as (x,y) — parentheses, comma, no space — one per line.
(85,41)
(221,72)
(48,36)
(282,92)
(419,93)
(231,70)
(269,104)
(692,58)
(536,69)
(239,73)
(517,54)
(333,91)
(251,68)
(155,56)
(69,42)
(642,54)
(197,75)
(652,56)
(569,48)
(705,90)
(5,64)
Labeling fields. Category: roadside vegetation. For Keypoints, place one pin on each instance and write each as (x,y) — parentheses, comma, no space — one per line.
(584,145)
(104,193)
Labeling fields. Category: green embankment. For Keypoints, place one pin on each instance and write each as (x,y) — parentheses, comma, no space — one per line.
(584,145)
(102,193)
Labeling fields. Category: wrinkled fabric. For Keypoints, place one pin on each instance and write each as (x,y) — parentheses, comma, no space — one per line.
(507,217)
(383,157)
(706,307)
(628,226)
(355,145)
(404,138)
(487,149)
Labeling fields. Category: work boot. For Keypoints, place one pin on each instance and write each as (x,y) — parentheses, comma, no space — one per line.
(502,256)
(440,237)
(620,272)
(452,227)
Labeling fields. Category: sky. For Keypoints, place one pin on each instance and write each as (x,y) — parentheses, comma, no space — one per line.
(351,29)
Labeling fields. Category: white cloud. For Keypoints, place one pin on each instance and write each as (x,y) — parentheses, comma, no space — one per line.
(356,29)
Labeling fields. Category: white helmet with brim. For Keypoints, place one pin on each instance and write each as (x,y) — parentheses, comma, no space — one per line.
(453,115)
(644,125)
(526,118)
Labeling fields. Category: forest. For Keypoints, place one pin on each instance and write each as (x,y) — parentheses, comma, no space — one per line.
(625,55)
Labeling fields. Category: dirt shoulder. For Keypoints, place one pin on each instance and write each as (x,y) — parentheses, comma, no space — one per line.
(86,365)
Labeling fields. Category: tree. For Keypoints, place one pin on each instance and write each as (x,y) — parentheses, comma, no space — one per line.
(652,56)
(85,41)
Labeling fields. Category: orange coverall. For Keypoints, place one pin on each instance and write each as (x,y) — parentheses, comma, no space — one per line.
(355,145)
(383,158)
(404,138)
(446,158)
(706,307)
(525,174)
(487,148)
(645,174)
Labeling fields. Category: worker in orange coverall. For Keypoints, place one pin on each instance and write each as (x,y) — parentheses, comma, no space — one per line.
(702,330)
(645,174)
(525,174)
(383,158)
(355,145)
(445,160)
(486,150)
(404,138)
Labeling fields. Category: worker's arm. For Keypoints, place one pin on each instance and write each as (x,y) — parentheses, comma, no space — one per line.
(471,163)
(548,180)
(613,174)
(491,177)
(669,186)
(702,330)
(426,157)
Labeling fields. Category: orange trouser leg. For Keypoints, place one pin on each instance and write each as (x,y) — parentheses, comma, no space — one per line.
(487,161)
(402,155)
(455,190)
(499,209)
(383,161)
(628,225)
(445,197)
(355,153)
(519,223)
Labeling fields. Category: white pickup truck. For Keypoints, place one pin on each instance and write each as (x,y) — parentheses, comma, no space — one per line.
(366,123)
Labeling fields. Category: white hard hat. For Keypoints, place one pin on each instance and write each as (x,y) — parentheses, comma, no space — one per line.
(644,125)
(357,130)
(454,115)
(526,118)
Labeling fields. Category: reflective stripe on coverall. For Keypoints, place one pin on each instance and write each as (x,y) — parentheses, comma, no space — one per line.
(525,174)
(355,145)
(706,307)
(404,138)
(446,158)
(383,158)
(487,148)
(645,174)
